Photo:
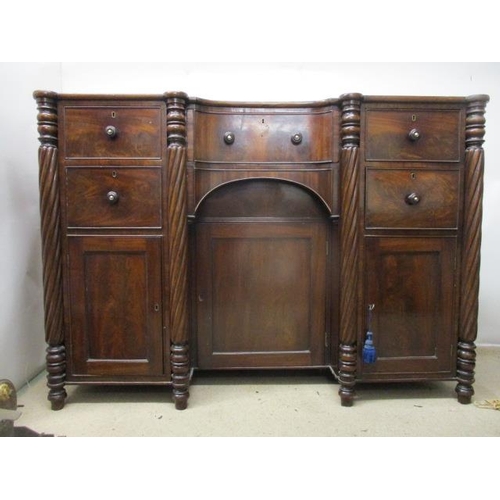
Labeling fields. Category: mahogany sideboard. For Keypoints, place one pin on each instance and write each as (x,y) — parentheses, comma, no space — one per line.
(181,233)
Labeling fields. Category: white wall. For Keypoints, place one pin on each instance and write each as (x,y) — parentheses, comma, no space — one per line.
(21,318)
(22,346)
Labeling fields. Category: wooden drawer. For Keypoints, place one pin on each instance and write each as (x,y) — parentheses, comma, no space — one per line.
(136,132)
(267,138)
(412,135)
(404,198)
(113,197)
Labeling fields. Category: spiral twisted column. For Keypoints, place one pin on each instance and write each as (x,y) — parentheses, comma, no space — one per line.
(51,246)
(178,246)
(349,245)
(473,212)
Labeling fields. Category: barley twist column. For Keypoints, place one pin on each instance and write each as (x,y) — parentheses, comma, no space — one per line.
(469,292)
(178,246)
(349,245)
(51,246)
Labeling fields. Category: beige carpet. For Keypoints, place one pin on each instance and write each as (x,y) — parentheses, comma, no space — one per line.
(269,404)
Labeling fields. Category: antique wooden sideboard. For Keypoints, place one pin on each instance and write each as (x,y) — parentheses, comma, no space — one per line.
(182,233)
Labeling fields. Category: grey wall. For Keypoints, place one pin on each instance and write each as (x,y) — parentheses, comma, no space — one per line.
(22,347)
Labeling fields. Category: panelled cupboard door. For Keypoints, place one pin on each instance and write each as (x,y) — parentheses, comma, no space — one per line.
(261,294)
(412,285)
(115,304)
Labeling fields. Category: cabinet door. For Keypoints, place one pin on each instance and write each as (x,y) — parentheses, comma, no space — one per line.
(261,294)
(115,304)
(411,283)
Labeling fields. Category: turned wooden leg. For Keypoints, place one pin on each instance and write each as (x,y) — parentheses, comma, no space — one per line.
(347,373)
(466,362)
(56,375)
(179,360)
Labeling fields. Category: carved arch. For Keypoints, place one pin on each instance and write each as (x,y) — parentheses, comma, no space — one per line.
(273,197)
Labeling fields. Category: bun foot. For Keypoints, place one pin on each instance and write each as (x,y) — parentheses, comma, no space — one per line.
(57,405)
(464,400)
(346,398)
(181,403)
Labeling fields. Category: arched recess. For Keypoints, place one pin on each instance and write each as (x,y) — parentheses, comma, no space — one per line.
(262,198)
(261,267)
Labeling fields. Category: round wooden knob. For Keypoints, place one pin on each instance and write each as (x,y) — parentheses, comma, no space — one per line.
(228,137)
(112,197)
(110,131)
(412,199)
(414,135)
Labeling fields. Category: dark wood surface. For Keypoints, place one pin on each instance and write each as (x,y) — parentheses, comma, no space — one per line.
(413,187)
(137,191)
(388,205)
(270,135)
(116,306)
(262,199)
(261,276)
(299,215)
(471,254)
(261,294)
(411,282)
(176,248)
(387,135)
(52,245)
(350,243)
(138,132)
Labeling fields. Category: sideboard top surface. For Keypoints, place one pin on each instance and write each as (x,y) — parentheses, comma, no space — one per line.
(269,104)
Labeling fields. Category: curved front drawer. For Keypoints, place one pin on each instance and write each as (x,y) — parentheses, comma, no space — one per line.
(264,137)
(404,198)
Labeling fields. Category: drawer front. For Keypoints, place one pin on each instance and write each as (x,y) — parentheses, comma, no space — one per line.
(403,198)
(112,132)
(413,135)
(107,197)
(267,138)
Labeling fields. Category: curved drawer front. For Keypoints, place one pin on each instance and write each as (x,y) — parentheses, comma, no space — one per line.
(113,197)
(404,198)
(267,138)
(413,135)
(112,132)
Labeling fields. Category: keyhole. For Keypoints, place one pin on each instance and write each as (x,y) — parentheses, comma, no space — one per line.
(113,114)
(114,174)
(413,118)
(413,176)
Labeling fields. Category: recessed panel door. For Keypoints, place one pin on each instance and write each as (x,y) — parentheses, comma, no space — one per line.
(116,310)
(261,294)
(411,283)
